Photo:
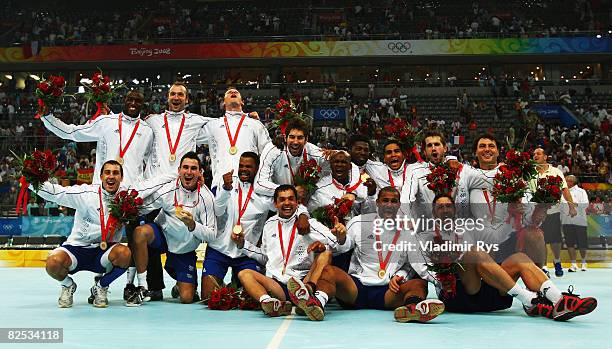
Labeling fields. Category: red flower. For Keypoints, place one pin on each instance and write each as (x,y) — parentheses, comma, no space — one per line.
(105,88)
(133,193)
(44,87)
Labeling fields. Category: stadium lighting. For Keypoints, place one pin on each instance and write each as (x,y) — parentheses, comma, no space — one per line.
(588,67)
(609,31)
(537,68)
(186,76)
(566,80)
(120,81)
(598,36)
(135,81)
(8,76)
(158,76)
(35,77)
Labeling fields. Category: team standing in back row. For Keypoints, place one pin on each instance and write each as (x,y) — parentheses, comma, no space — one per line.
(256,221)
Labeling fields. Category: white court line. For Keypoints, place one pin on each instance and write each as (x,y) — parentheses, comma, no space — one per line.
(280,333)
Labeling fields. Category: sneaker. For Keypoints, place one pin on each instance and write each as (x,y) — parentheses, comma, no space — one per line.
(145,295)
(134,300)
(558,270)
(100,296)
(540,306)
(91,297)
(157,295)
(571,306)
(546,272)
(584,266)
(572,269)
(305,300)
(128,290)
(421,312)
(274,307)
(65,300)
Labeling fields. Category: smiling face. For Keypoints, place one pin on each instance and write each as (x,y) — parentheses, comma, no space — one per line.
(444,208)
(487,153)
(388,203)
(177,98)
(133,104)
(189,173)
(340,165)
(286,203)
(233,100)
(111,177)
(247,169)
(393,156)
(296,140)
(360,153)
(539,156)
(435,150)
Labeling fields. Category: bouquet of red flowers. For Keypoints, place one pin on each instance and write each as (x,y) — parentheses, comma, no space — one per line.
(521,163)
(49,92)
(442,178)
(35,168)
(399,130)
(548,190)
(285,111)
(340,209)
(125,206)
(225,298)
(508,185)
(445,264)
(308,175)
(100,91)
(246,302)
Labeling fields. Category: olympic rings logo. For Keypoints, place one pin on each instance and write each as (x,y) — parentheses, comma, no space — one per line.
(399,47)
(329,113)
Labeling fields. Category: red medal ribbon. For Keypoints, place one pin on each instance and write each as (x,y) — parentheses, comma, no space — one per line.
(124,150)
(178,136)
(229,134)
(108,227)
(241,208)
(346,187)
(176,204)
(282,245)
(383,264)
(42,106)
(491,209)
(99,105)
(392,182)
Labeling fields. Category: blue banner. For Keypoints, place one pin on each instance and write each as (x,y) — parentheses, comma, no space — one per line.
(10,226)
(46,225)
(329,114)
(554,111)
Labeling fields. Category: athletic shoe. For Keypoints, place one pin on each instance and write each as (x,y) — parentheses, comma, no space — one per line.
(583,267)
(65,300)
(572,269)
(571,306)
(274,307)
(305,300)
(558,270)
(100,296)
(540,306)
(545,271)
(175,292)
(144,293)
(157,295)
(91,296)
(128,290)
(421,312)
(134,300)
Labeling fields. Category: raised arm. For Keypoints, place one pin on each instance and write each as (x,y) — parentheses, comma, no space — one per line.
(88,132)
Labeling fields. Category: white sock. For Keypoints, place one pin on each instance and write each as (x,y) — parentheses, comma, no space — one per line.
(131,274)
(67,282)
(557,260)
(264,297)
(573,262)
(584,261)
(550,291)
(522,294)
(322,297)
(142,279)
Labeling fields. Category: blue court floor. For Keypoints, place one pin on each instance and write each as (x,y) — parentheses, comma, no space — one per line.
(28,298)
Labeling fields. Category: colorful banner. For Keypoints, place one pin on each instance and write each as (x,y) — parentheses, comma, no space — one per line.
(33,53)
(598,225)
(596,186)
(329,114)
(85,176)
(554,111)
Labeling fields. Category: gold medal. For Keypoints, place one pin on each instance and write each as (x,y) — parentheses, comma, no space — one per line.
(365,177)
(237,229)
(172,157)
(103,245)
(178,210)
(120,160)
(233,150)
(381,274)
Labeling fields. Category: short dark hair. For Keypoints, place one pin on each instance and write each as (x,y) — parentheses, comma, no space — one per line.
(433,133)
(180,83)
(251,155)
(392,141)
(358,138)
(442,195)
(284,187)
(191,155)
(484,136)
(389,189)
(111,162)
(297,124)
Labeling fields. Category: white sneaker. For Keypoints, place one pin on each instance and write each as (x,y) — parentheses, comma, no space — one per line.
(583,267)
(100,296)
(65,300)
(573,268)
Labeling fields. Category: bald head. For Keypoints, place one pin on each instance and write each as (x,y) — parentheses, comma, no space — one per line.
(571,180)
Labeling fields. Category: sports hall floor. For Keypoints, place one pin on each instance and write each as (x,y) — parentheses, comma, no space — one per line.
(28,298)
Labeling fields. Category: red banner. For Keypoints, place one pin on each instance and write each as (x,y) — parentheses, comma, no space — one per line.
(85,176)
